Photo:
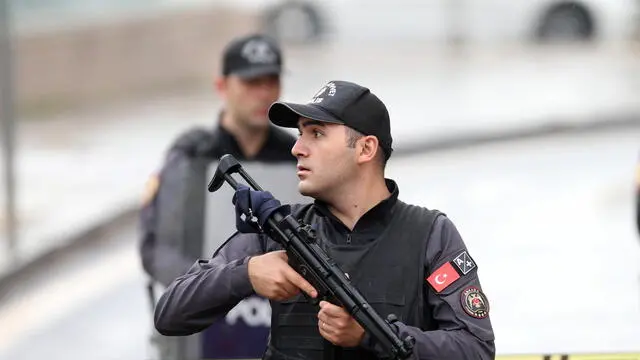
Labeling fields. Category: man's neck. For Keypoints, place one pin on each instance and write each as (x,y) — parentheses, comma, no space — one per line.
(250,140)
(354,201)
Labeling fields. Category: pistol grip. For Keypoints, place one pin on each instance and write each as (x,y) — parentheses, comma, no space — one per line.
(307,275)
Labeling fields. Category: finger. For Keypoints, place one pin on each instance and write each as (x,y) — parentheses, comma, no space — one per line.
(327,333)
(325,330)
(333,311)
(324,303)
(322,317)
(289,290)
(302,284)
(331,319)
(281,254)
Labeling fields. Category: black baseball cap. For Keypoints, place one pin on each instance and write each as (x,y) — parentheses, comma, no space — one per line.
(252,56)
(340,102)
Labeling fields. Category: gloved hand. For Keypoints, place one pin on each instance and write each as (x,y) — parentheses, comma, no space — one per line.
(254,208)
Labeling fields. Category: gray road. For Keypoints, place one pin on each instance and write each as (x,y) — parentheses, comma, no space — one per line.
(549,222)
(89,304)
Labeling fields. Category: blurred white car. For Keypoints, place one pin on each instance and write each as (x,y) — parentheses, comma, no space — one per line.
(444,20)
(374,20)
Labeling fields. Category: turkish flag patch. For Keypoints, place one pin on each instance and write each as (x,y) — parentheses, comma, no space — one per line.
(443,277)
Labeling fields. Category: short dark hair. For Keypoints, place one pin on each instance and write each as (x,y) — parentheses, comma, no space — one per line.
(352,138)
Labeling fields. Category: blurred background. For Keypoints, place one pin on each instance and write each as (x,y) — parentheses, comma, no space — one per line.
(519,119)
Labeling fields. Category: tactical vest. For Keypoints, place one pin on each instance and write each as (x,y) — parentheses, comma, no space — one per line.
(389,274)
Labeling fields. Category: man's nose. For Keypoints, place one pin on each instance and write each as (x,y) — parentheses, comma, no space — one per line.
(265,88)
(298,148)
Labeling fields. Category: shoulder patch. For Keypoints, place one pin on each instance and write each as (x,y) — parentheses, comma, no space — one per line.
(464,263)
(474,302)
(444,276)
(150,189)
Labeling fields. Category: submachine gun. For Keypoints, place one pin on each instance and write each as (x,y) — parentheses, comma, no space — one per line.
(312,262)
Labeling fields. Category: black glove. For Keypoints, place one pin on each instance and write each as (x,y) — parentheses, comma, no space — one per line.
(253,208)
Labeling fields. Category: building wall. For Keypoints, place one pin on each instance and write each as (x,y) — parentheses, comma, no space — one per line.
(128,57)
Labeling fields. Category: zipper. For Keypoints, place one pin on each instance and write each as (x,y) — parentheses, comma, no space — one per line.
(348,238)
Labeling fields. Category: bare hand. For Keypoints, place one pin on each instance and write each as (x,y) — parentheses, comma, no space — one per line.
(338,327)
(273,278)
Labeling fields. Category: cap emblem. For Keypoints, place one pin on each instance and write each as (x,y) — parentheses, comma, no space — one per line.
(258,52)
(328,90)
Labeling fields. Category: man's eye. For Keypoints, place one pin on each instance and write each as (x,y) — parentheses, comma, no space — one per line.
(317,134)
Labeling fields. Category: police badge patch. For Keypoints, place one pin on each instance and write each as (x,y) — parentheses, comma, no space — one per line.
(464,262)
(474,302)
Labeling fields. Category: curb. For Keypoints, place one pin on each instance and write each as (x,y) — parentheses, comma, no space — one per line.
(93,233)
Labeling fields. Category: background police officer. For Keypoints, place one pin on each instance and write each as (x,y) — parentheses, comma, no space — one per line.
(249,83)
(406,260)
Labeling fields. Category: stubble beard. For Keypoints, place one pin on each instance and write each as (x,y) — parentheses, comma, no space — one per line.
(250,126)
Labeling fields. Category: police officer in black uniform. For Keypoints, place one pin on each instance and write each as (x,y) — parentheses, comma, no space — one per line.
(406,260)
(248,85)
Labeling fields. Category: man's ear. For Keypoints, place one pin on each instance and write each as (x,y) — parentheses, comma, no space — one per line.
(368,147)
(220,86)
